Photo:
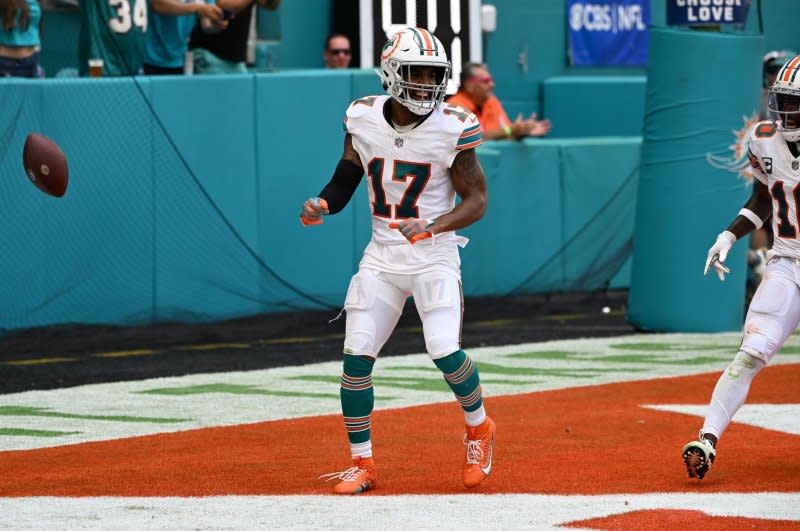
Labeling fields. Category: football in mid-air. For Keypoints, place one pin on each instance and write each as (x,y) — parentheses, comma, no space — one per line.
(45,165)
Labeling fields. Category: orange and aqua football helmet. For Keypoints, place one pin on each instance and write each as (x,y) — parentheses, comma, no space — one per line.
(784,100)
(406,49)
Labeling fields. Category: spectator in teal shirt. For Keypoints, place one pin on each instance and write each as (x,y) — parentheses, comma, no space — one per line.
(171,23)
(19,38)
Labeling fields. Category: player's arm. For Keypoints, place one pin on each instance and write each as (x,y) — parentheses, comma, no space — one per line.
(755,212)
(470,184)
(337,193)
(752,216)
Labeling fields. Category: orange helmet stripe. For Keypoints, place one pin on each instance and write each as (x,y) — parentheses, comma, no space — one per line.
(429,43)
(790,70)
(428,40)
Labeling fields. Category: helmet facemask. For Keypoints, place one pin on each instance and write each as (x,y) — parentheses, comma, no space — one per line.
(785,107)
(419,98)
(404,53)
(784,100)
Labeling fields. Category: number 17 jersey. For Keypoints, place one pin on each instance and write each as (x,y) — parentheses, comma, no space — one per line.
(408,172)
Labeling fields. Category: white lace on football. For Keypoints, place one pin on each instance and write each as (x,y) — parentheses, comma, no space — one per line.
(345,475)
(474,451)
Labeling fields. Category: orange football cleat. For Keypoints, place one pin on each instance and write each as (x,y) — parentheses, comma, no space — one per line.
(360,477)
(479,441)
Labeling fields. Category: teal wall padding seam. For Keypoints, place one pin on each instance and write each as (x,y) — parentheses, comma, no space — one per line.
(700,85)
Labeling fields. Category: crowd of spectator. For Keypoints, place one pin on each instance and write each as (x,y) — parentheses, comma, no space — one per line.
(176,37)
(129,37)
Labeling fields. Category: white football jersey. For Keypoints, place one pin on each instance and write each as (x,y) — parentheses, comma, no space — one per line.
(775,166)
(408,172)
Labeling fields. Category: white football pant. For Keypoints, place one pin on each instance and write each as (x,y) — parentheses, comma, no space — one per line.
(375,302)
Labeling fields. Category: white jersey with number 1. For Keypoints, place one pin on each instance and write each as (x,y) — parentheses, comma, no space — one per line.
(776,167)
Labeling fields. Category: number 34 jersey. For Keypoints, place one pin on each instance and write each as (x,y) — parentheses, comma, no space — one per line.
(776,167)
(114,31)
(408,172)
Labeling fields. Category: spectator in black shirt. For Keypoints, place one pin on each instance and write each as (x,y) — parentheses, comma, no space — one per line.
(225,52)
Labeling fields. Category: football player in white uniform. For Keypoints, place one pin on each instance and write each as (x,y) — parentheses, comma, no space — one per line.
(417,153)
(774,312)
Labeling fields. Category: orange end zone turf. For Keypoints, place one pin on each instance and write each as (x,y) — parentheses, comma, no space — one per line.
(669,520)
(587,440)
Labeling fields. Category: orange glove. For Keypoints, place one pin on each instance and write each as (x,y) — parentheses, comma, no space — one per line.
(413,229)
(313,210)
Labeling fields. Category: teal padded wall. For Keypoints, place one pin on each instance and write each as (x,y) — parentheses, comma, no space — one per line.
(683,203)
(222,106)
(594,105)
(296,159)
(523,192)
(598,194)
(60,258)
(364,82)
(190,212)
(560,216)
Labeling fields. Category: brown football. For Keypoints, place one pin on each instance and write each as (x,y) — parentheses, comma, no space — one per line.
(45,164)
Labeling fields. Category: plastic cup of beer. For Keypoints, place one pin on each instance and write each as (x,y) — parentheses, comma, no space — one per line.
(95,68)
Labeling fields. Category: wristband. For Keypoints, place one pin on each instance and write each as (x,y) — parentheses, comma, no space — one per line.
(507,129)
(752,216)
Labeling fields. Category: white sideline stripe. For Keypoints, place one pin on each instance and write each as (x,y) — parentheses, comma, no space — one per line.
(225,409)
(776,417)
(457,512)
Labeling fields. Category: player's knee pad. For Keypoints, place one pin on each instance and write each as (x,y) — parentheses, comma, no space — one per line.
(361,292)
(744,367)
(438,299)
(766,326)
(358,303)
(441,343)
(373,307)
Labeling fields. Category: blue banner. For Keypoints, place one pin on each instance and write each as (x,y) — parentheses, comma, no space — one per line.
(606,32)
(706,12)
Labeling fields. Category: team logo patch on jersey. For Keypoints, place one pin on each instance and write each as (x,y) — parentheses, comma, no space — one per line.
(398,141)
(795,164)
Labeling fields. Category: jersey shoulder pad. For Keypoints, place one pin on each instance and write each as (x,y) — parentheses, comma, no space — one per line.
(362,110)
(464,126)
(365,105)
(760,136)
(457,118)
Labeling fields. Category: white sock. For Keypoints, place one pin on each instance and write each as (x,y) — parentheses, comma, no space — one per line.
(475,418)
(730,392)
(361,449)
